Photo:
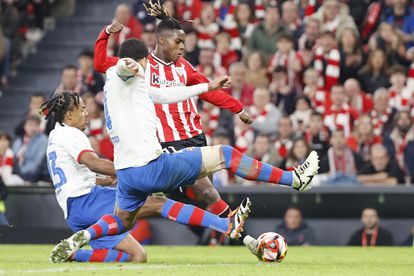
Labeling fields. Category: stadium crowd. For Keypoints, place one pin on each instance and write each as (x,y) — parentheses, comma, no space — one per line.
(332,76)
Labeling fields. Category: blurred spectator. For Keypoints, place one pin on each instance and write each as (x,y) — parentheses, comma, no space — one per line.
(294,229)
(91,80)
(240,89)
(221,137)
(320,98)
(301,117)
(207,28)
(95,119)
(283,95)
(363,138)
(69,80)
(287,57)
(192,51)
(352,56)
(316,135)
(265,114)
(340,162)
(371,234)
(244,18)
(7,162)
(297,155)
(224,55)
(308,39)
(358,99)
(290,16)
(244,135)
(10,26)
(206,65)
(139,11)
(391,42)
(334,17)
(283,142)
(402,17)
(30,151)
(265,35)
(188,9)
(36,100)
(327,61)
(382,114)
(132,28)
(256,70)
(400,95)
(340,114)
(5,59)
(149,37)
(381,170)
(374,73)
(262,150)
(400,143)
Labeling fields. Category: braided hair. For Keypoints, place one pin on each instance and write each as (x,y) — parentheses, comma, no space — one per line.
(56,108)
(158,11)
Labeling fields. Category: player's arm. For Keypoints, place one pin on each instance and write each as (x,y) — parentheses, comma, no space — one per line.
(96,164)
(219,98)
(167,95)
(101,61)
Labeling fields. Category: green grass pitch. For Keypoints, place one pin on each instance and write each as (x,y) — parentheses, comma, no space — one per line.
(211,261)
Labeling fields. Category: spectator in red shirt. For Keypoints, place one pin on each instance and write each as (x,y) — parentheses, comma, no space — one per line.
(364,138)
(320,98)
(132,28)
(358,99)
(7,162)
(382,114)
(283,142)
(224,55)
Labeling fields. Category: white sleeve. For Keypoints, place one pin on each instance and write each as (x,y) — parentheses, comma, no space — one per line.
(76,143)
(167,95)
(123,72)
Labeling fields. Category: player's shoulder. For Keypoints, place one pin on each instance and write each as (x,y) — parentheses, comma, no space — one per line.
(182,62)
(67,132)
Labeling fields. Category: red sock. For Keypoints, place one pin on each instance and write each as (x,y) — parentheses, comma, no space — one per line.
(219,208)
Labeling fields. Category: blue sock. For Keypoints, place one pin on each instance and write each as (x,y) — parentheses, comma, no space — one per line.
(191,215)
(100,256)
(108,225)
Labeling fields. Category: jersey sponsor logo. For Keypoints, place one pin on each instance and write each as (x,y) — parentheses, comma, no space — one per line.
(157,80)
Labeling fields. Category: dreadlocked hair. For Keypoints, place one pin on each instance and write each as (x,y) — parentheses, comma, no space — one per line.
(56,108)
(156,10)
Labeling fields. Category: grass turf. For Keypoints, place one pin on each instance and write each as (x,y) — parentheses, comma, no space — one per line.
(211,261)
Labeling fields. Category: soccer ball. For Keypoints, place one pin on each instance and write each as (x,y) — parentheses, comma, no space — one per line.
(272,247)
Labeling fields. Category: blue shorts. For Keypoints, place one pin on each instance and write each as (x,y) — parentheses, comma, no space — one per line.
(86,210)
(166,173)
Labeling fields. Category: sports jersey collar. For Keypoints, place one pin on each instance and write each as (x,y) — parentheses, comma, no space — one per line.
(160,60)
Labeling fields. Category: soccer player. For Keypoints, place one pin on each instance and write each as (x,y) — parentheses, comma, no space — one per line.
(178,124)
(73,166)
(142,168)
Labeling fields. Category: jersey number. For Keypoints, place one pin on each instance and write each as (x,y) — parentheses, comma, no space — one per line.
(56,170)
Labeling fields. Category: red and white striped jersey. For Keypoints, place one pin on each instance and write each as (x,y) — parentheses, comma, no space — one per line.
(175,121)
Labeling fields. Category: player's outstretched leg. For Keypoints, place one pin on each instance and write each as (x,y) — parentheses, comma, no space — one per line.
(226,157)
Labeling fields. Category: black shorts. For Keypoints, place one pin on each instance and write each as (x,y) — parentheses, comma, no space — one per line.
(196,141)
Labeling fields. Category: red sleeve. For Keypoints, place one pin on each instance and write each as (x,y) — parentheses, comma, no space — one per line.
(217,97)
(101,61)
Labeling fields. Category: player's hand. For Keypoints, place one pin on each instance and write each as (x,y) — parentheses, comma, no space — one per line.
(133,66)
(245,118)
(114,28)
(220,82)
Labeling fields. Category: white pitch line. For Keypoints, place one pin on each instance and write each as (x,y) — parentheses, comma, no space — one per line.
(127,267)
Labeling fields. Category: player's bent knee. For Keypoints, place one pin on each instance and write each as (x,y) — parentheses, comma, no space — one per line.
(212,159)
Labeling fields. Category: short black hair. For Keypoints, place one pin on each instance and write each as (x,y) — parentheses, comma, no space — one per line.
(285,36)
(160,12)
(86,53)
(56,108)
(280,69)
(133,48)
(316,113)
